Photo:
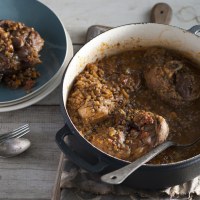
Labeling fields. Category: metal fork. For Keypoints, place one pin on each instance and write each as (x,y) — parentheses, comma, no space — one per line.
(16,133)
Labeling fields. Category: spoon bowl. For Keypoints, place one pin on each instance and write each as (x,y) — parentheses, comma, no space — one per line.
(13,147)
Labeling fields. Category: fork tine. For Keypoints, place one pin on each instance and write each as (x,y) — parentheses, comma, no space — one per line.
(22,134)
(18,130)
(14,131)
(21,127)
(16,135)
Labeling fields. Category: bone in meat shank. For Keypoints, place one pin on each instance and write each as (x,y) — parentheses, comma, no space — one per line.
(170,78)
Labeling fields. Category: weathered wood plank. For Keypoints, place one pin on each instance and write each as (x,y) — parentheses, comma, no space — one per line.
(31,175)
(57,190)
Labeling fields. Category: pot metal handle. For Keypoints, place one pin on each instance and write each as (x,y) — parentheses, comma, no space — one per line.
(74,157)
(195,29)
(96,30)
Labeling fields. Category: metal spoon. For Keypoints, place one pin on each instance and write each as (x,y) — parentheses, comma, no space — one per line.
(118,176)
(13,147)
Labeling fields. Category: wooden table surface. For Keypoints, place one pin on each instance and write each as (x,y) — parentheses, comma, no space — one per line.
(32,174)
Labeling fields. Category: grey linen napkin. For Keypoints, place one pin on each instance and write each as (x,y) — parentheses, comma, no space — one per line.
(77,183)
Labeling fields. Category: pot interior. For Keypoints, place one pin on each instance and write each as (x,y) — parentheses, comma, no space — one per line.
(126,38)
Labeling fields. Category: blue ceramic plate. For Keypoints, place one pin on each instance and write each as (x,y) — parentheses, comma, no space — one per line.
(34,14)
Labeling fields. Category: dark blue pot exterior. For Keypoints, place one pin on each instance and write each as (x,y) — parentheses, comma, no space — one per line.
(82,153)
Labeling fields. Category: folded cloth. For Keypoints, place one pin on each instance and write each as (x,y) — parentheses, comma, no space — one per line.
(74,177)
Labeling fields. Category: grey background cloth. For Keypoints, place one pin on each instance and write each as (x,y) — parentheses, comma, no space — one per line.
(77,184)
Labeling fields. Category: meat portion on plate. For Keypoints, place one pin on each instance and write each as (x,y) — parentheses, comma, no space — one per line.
(19,54)
(20,46)
(170,78)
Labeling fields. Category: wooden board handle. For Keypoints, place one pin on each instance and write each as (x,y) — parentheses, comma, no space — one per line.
(161,13)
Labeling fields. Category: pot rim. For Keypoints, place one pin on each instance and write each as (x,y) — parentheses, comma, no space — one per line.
(73,128)
(145,23)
